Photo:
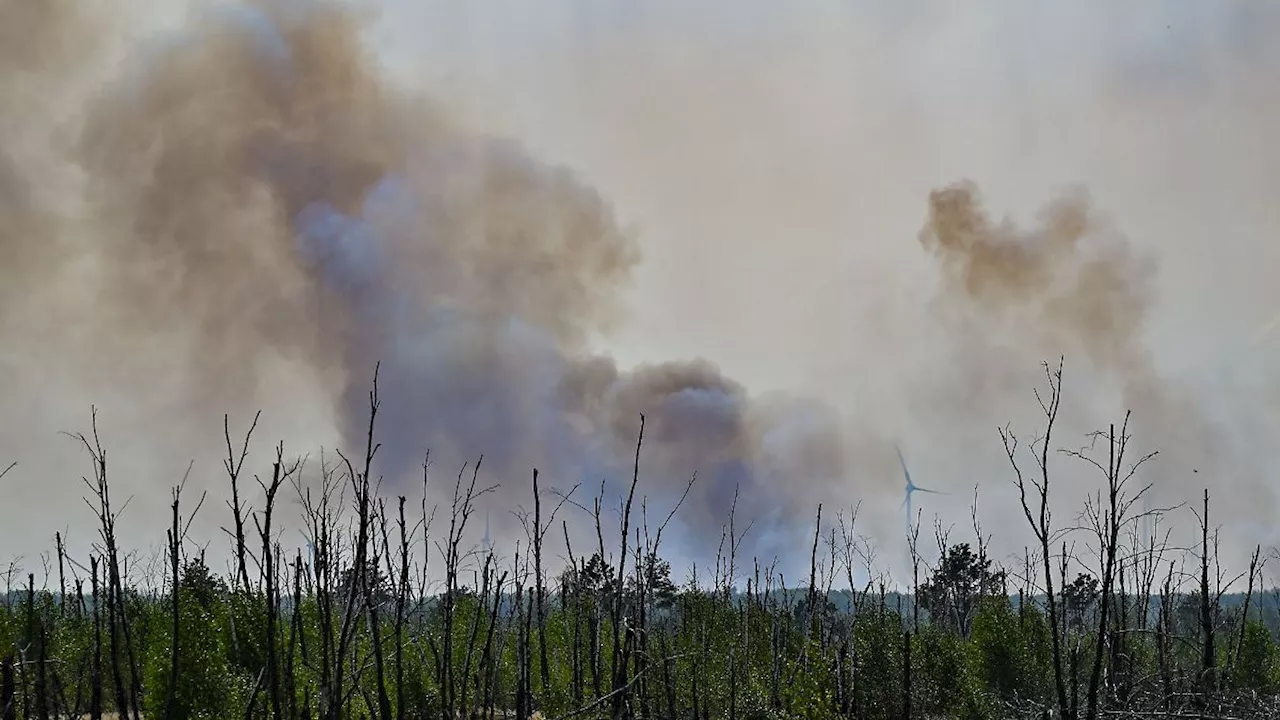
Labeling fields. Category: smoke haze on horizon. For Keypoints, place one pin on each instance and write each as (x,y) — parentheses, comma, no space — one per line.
(263,200)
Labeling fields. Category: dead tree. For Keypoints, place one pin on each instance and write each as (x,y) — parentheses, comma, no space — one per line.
(477,618)
(35,646)
(176,535)
(270,581)
(356,599)
(61,549)
(1164,637)
(233,464)
(618,670)
(536,537)
(575,585)
(1209,655)
(539,589)
(643,566)
(812,598)
(95,671)
(488,668)
(368,594)
(1041,520)
(402,598)
(462,507)
(320,518)
(596,634)
(8,691)
(297,640)
(1108,517)
(117,615)
(1254,567)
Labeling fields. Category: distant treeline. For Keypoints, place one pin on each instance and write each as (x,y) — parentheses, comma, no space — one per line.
(353,628)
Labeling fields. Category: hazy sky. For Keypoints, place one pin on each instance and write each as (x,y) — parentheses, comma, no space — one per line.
(775,161)
(777,158)
(806,135)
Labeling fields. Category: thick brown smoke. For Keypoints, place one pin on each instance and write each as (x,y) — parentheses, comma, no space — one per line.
(256,190)
(39,42)
(1072,284)
(1070,275)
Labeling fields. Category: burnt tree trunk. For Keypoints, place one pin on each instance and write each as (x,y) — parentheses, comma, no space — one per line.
(8,690)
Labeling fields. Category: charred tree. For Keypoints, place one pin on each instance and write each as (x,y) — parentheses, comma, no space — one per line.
(1041,518)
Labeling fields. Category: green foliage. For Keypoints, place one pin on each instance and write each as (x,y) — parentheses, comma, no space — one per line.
(755,658)
(206,688)
(1255,665)
(1079,598)
(945,684)
(1011,650)
(960,583)
(689,652)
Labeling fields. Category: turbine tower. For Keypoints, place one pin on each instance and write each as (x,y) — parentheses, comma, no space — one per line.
(1148,533)
(910,488)
(488,545)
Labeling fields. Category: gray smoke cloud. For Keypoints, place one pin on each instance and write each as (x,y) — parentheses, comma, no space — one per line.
(1072,283)
(258,189)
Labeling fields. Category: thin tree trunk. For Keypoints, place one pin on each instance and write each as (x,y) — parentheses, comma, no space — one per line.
(402,596)
(8,691)
(906,675)
(95,672)
(540,589)
(1244,614)
(274,695)
(35,641)
(1209,655)
(175,548)
(618,669)
(1110,526)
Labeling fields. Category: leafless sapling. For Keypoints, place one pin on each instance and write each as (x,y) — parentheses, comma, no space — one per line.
(1041,519)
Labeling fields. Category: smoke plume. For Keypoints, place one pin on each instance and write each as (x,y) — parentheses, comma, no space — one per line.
(1069,284)
(258,189)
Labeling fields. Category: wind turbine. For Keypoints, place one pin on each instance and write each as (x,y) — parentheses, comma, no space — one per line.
(910,488)
(488,545)
(1147,535)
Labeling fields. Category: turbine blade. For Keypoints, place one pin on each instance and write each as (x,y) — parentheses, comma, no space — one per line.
(901,461)
(931,492)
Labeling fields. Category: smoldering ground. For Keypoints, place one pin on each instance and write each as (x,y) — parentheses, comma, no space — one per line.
(249,211)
